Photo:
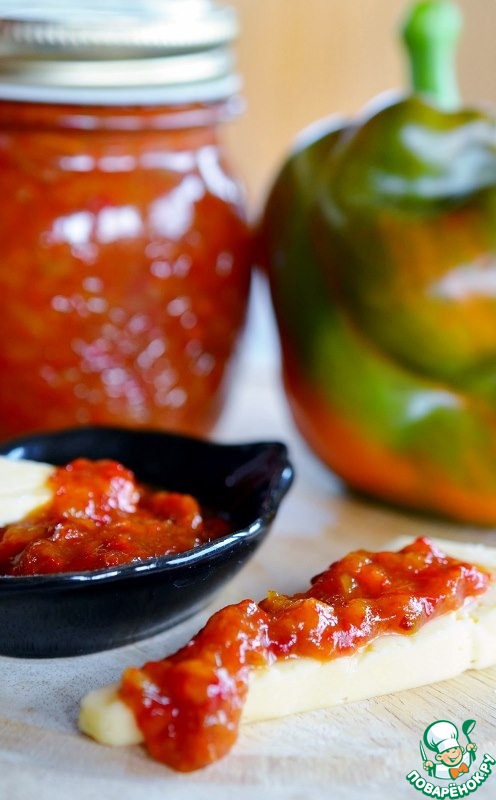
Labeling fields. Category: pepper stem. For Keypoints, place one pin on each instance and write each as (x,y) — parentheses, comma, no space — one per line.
(431,33)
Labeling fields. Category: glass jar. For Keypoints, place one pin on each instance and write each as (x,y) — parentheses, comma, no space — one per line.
(124,271)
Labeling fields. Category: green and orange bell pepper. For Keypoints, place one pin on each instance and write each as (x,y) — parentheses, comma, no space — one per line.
(379,237)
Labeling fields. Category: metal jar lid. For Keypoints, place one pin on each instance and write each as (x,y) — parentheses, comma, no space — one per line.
(115,52)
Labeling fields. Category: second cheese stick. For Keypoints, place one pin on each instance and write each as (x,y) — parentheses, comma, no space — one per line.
(23,487)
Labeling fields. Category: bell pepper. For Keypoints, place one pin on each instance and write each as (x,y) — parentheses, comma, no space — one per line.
(379,238)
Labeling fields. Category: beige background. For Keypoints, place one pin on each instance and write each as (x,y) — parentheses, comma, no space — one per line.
(304,59)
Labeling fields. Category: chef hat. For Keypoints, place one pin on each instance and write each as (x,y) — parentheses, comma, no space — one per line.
(441,736)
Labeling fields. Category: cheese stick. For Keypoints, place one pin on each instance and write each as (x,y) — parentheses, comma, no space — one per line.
(390,663)
(23,487)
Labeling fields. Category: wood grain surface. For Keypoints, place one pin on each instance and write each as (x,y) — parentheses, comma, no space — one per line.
(362,750)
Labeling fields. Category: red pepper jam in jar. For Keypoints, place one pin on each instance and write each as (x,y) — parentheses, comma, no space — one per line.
(124,271)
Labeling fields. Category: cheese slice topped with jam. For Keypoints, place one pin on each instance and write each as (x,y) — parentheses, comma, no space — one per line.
(371,624)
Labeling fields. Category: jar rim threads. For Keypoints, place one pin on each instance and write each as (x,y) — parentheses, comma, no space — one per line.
(146,52)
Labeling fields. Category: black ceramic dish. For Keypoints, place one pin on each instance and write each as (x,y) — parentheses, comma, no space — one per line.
(75,613)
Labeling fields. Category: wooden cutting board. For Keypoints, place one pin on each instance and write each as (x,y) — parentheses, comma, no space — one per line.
(362,750)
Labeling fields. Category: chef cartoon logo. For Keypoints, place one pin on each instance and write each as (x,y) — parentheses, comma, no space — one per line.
(451,759)
(448,757)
